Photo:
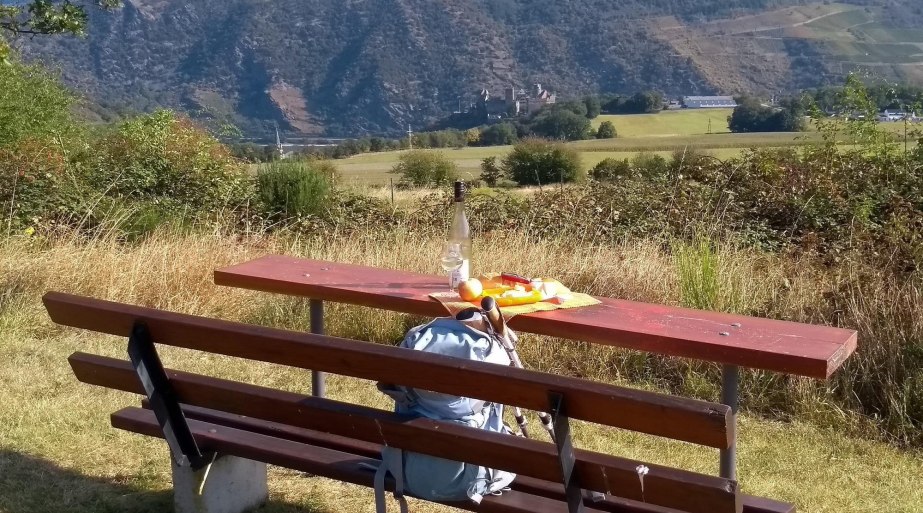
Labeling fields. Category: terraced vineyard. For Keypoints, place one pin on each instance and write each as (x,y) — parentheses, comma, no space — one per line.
(778,49)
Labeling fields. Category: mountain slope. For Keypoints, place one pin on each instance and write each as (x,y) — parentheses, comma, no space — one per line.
(342,67)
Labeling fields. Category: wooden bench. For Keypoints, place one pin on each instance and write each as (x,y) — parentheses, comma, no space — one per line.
(249,426)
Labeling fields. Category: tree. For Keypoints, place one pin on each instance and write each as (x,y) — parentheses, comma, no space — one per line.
(751,116)
(561,124)
(593,106)
(643,103)
(606,130)
(41,17)
(491,172)
(748,116)
(472,136)
(498,135)
(420,168)
(537,162)
(578,107)
(33,104)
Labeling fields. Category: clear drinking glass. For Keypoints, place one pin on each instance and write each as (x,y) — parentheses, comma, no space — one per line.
(451,260)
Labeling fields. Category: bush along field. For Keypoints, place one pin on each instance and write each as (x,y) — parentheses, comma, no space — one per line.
(144,211)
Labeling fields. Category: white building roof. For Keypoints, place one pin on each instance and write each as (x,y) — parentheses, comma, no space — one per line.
(709,98)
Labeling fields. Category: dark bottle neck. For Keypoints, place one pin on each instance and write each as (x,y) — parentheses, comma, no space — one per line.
(459,192)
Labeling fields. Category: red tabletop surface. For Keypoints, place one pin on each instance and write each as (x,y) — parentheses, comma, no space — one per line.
(789,347)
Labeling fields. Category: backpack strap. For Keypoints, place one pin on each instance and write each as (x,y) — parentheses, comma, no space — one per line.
(392,460)
(405,398)
(494,482)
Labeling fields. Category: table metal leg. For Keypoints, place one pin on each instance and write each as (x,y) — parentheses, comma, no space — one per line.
(730,375)
(318,379)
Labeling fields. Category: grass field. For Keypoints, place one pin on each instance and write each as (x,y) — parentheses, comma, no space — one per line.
(669,123)
(662,133)
(58,452)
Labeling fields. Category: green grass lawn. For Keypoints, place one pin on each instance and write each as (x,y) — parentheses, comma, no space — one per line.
(669,123)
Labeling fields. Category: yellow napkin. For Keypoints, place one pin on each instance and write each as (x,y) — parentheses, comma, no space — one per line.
(454,304)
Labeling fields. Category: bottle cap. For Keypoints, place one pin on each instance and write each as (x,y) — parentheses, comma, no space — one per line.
(459,191)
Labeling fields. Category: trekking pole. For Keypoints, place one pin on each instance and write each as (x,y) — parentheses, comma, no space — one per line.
(495,317)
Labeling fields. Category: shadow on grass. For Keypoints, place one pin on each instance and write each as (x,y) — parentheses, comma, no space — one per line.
(34,485)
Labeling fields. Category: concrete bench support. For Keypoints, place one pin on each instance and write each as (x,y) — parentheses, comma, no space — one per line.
(231,485)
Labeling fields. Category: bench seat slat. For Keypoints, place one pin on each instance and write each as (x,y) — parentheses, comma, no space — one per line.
(664,486)
(526,484)
(315,460)
(646,412)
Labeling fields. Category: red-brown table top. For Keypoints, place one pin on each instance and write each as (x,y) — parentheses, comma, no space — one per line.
(793,348)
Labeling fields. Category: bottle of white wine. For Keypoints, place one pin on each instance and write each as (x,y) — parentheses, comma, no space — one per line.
(460,234)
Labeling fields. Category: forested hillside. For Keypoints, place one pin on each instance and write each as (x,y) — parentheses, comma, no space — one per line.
(335,67)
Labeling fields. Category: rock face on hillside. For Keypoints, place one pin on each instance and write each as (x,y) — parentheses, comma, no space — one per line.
(344,67)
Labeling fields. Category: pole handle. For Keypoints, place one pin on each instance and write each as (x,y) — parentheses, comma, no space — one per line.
(489,305)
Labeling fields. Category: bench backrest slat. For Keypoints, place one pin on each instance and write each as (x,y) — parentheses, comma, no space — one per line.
(658,414)
(664,486)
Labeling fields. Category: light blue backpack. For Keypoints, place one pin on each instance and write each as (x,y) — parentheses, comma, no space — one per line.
(438,479)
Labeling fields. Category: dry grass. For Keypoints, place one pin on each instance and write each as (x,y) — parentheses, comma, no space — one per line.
(58,453)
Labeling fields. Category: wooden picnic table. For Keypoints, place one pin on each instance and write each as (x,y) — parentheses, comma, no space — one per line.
(732,340)
(788,347)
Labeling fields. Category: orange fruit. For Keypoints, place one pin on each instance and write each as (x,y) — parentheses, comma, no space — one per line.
(470,290)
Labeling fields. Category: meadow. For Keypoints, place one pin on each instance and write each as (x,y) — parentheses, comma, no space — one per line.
(662,134)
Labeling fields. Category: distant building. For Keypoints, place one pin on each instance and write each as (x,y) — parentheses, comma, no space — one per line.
(709,102)
(538,98)
(495,108)
(514,102)
(897,115)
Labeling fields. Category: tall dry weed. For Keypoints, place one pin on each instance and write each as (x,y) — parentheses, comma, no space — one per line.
(881,385)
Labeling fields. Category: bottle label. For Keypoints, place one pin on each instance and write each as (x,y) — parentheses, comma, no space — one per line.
(460,275)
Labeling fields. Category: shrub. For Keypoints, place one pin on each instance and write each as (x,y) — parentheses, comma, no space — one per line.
(693,163)
(491,172)
(33,104)
(420,168)
(650,165)
(295,188)
(537,162)
(31,175)
(165,158)
(611,169)
(606,130)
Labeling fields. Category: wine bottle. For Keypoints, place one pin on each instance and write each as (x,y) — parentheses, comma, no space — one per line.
(460,234)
